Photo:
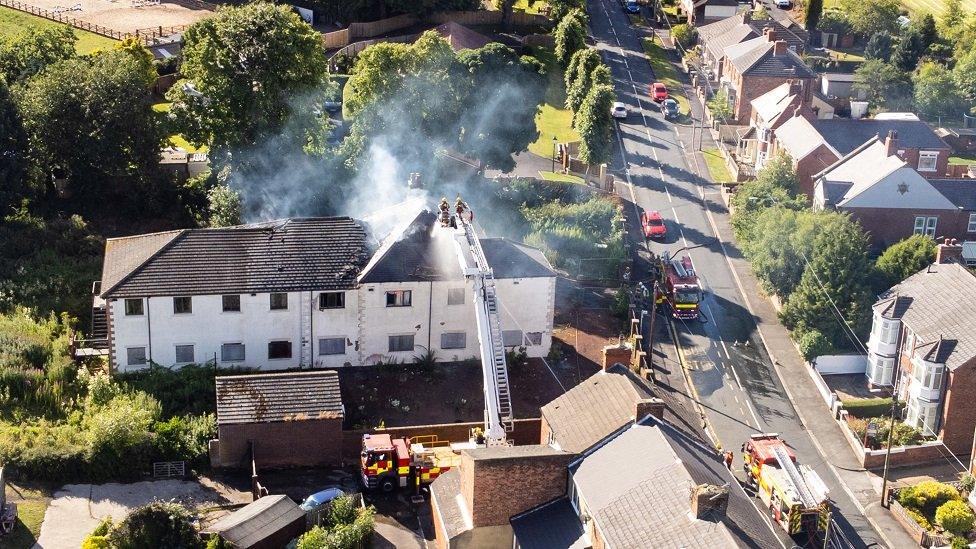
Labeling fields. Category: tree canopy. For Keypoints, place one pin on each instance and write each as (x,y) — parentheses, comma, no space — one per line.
(13,153)
(936,93)
(570,36)
(26,54)
(886,86)
(903,259)
(595,125)
(870,16)
(879,46)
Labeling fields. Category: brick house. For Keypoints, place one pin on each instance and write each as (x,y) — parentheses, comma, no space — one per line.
(715,37)
(770,111)
(756,66)
(892,200)
(923,343)
(816,144)
(289,419)
(700,12)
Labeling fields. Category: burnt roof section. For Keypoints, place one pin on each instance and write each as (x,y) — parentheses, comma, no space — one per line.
(594,409)
(250,525)
(299,254)
(267,398)
(425,252)
(845,134)
(553,525)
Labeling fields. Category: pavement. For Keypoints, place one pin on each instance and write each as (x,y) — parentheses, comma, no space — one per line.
(745,375)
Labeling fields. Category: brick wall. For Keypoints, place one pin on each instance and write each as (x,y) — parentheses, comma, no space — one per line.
(544,431)
(749,87)
(959,409)
(887,226)
(496,489)
(810,165)
(282,444)
(440,538)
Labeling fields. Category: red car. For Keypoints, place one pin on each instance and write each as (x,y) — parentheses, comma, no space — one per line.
(658,92)
(653,225)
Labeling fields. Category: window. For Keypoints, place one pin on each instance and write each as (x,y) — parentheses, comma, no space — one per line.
(401,343)
(135,356)
(889,331)
(231,303)
(881,369)
(971,228)
(927,161)
(926,225)
(184,354)
(535,338)
(455,296)
(453,340)
(232,352)
(398,298)
(133,307)
(279,349)
(512,338)
(279,301)
(182,305)
(923,416)
(332,346)
(332,300)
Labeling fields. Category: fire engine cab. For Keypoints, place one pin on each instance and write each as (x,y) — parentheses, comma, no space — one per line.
(794,494)
(681,288)
(390,462)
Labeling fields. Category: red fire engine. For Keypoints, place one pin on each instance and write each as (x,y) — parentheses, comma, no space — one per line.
(389,463)
(681,290)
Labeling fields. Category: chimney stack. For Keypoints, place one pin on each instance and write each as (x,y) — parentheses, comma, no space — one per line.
(709,502)
(746,17)
(891,143)
(622,353)
(948,252)
(653,406)
(770,34)
(798,112)
(779,47)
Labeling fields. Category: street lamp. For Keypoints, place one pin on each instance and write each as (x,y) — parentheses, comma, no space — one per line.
(554,154)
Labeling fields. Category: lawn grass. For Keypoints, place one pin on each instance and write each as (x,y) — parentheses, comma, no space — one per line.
(561,177)
(716,166)
(963,159)
(553,118)
(847,54)
(13,22)
(665,73)
(935,7)
(528,6)
(31,505)
(177,140)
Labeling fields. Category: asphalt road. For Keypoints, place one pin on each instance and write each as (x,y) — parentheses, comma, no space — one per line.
(731,373)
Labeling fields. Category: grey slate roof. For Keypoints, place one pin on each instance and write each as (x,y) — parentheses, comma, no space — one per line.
(594,409)
(426,252)
(289,396)
(253,523)
(553,525)
(845,134)
(279,256)
(834,192)
(733,30)
(758,60)
(961,192)
(937,303)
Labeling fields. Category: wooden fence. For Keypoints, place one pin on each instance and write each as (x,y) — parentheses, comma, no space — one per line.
(149,36)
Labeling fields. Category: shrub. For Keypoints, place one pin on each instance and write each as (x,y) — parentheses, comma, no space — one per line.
(917,517)
(966,482)
(955,517)
(184,437)
(927,496)
(868,407)
(187,390)
(348,528)
(158,524)
(685,35)
(813,344)
(959,542)
(98,539)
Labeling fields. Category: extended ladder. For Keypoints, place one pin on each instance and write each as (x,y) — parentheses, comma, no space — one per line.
(796,478)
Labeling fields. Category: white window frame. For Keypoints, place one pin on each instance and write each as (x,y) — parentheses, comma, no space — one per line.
(889,332)
(128,356)
(341,339)
(401,298)
(927,157)
(930,226)
(919,225)
(455,296)
(176,353)
(463,344)
(223,349)
(142,307)
(389,343)
(882,369)
(971,227)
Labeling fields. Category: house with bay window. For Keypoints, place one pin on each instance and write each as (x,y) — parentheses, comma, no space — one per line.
(923,347)
(308,292)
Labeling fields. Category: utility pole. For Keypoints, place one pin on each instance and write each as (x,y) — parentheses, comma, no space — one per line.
(891,432)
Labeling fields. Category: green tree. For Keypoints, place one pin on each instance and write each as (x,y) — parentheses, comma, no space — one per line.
(13,153)
(685,35)
(158,524)
(951,19)
(813,344)
(720,106)
(579,81)
(25,54)
(879,46)
(225,206)
(885,86)
(834,21)
(936,93)
(964,76)
(91,128)
(812,15)
(774,249)
(903,259)
(927,29)
(248,71)
(870,16)
(595,125)
(836,274)
(908,51)
(601,76)
(570,36)
(775,185)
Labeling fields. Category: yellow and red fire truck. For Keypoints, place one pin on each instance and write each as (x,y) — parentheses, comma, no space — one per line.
(390,462)
(794,494)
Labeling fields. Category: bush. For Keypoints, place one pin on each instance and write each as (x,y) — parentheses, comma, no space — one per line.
(904,435)
(917,517)
(955,517)
(347,527)
(186,390)
(868,407)
(98,539)
(813,344)
(685,35)
(184,437)
(158,524)
(927,496)
(959,543)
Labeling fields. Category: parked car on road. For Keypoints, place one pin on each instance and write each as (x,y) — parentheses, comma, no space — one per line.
(784,4)
(670,108)
(659,92)
(653,225)
(619,110)
(631,7)
(321,498)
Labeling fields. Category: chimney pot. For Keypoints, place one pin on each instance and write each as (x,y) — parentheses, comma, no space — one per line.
(948,252)
(891,143)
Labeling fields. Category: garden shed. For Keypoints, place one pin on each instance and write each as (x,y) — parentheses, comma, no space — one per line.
(268,523)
